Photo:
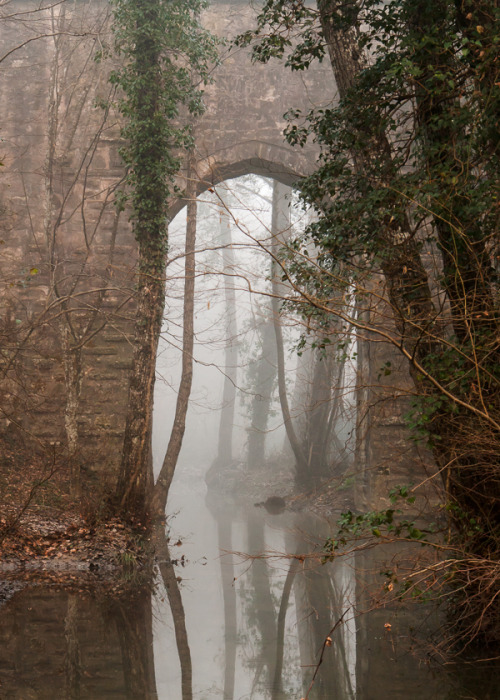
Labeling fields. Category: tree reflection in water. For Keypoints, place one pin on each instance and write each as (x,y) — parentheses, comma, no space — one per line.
(277,684)
(229,594)
(135,634)
(256,629)
(168,575)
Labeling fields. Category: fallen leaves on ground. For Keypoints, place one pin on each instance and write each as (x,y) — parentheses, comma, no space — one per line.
(71,540)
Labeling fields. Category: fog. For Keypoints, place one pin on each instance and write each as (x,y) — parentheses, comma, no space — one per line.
(242,209)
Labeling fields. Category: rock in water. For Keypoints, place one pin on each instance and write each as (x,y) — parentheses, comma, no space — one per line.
(274,505)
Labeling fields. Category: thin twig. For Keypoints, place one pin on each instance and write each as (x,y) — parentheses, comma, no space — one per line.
(326,643)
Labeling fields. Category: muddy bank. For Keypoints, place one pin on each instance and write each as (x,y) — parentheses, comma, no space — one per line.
(68,544)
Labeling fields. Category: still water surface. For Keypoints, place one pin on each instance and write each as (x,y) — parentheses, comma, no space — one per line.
(229,627)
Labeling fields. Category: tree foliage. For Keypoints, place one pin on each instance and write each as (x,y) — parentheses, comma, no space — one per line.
(408,173)
(166,56)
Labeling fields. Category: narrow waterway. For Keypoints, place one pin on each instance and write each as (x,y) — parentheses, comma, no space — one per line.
(242,627)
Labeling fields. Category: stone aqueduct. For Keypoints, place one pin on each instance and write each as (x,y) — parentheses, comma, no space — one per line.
(67,255)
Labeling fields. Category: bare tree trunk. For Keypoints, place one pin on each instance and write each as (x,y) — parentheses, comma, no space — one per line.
(265,378)
(52,131)
(280,223)
(175,443)
(72,358)
(225,446)
(319,412)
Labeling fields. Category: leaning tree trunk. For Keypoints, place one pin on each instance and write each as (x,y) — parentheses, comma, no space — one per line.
(166,475)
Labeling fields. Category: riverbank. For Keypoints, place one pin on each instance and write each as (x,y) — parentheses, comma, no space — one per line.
(62,542)
(44,531)
(239,483)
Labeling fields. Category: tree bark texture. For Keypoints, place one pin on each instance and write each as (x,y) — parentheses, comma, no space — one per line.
(135,480)
(407,282)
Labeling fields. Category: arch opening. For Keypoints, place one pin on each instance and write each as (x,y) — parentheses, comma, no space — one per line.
(210,174)
(235,364)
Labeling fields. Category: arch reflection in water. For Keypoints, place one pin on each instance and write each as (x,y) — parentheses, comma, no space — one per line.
(254,627)
(229,629)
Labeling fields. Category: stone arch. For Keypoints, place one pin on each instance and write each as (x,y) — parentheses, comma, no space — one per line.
(240,132)
(265,159)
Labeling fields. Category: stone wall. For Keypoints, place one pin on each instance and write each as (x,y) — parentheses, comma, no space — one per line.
(386,456)
(67,257)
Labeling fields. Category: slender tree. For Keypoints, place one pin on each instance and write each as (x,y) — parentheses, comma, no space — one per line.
(263,376)
(280,223)
(162,45)
(225,442)
(166,475)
